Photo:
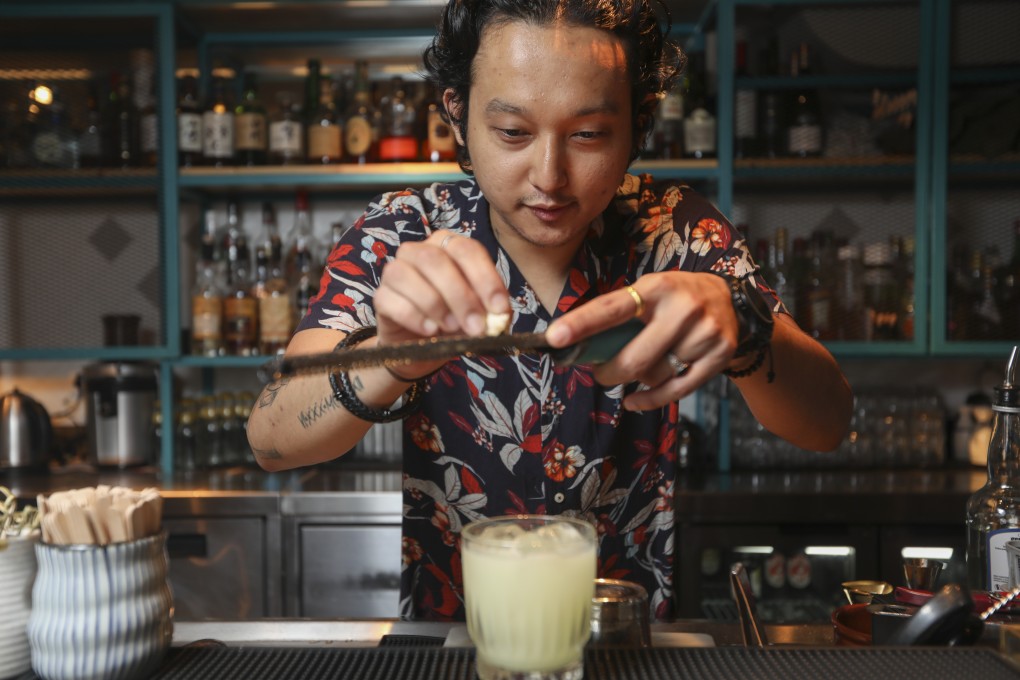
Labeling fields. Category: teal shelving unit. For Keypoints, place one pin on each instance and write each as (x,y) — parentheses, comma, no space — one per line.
(201,26)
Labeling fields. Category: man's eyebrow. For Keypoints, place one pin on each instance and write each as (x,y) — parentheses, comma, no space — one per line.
(501,106)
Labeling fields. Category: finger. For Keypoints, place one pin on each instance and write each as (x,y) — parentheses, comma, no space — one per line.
(602,313)
(397,308)
(477,267)
(408,283)
(672,390)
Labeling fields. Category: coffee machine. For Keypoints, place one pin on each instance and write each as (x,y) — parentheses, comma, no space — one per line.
(120,397)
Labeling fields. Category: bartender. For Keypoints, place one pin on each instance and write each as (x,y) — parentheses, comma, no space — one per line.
(550,101)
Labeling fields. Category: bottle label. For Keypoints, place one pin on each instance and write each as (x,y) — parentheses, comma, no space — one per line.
(358,136)
(189,132)
(285,137)
(217,135)
(398,149)
(324,142)
(672,107)
(805,139)
(699,132)
(239,319)
(1003,559)
(148,132)
(745,114)
(206,318)
(251,132)
(440,135)
(275,317)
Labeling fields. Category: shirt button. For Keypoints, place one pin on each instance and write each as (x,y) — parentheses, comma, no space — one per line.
(558,498)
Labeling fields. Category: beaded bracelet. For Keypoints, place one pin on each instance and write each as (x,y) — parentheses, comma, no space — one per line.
(755,365)
(343,390)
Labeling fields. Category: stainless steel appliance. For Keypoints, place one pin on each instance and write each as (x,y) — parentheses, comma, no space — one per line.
(120,397)
(26,434)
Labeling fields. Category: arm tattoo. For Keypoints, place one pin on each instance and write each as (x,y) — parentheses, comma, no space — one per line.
(358,385)
(267,454)
(269,394)
(310,415)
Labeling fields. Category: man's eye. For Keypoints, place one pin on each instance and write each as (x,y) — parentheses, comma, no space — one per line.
(510,133)
(589,134)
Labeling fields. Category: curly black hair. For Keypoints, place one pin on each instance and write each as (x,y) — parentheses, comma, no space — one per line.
(653,59)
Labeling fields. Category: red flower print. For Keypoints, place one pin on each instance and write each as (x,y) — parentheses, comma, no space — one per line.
(411,549)
(561,463)
(424,434)
(380,250)
(709,234)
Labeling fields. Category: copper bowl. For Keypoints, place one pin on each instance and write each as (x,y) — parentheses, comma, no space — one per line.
(851,626)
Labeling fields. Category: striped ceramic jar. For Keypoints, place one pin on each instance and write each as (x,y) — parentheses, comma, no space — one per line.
(101,611)
(17,569)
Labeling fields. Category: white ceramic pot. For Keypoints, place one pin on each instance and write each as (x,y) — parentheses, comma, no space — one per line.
(17,572)
(101,611)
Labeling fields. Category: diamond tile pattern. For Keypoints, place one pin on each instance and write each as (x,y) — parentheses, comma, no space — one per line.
(110,239)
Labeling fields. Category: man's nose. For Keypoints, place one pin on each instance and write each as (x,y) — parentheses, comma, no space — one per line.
(548,167)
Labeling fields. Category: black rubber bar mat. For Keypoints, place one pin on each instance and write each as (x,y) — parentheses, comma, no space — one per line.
(724,663)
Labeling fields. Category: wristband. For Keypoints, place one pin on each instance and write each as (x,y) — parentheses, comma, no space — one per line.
(344,392)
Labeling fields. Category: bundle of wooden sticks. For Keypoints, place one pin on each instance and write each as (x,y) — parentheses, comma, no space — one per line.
(100,515)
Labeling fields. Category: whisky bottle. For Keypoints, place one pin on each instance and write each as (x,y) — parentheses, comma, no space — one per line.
(91,138)
(122,123)
(218,128)
(325,130)
(699,126)
(804,134)
(286,133)
(312,91)
(276,311)
(359,136)
(993,511)
(397,143)
(745,108)
(189,124)
(250,130)
(207,306)
(302,235)
(240,312)
(669,126)
(439,143)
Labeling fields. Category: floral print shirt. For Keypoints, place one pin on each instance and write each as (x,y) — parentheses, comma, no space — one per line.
(508,435)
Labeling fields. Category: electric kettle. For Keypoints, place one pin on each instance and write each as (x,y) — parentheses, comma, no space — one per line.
(120,397)
(26,434)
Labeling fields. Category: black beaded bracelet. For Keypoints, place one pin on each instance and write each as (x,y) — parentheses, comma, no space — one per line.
(343,390)
(755,365)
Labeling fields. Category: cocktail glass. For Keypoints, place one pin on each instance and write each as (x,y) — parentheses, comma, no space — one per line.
(528,586)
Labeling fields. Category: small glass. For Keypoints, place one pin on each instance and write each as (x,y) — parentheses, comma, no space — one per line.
(528,587)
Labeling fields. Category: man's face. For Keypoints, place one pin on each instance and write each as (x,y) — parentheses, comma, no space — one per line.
(549,130)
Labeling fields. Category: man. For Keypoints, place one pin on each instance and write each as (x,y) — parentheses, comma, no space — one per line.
(550,102)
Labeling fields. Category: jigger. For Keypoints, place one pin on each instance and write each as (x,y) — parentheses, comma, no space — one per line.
(922,573)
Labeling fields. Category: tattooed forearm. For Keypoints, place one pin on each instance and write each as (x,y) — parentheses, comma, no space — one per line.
(268,395)
(267,454)
(309,416)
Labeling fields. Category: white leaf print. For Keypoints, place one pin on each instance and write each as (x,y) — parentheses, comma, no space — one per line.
(640,517)
(666,250)
(510,454)
(503,267)
(385,235)
(471,501)
(590,490)
(667,547)
(501,419)
(663,520)
(521,406)
(452,482)
(430,489)
(612,497)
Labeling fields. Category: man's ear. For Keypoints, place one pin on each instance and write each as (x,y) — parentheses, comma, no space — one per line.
(453,109)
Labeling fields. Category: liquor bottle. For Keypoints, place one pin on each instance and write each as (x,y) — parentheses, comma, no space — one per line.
(301,237)
(148,121)
(804,133)
(780,272)
(987,319)
(286,132)
(305,282)
(881,295)
(209,440)
(207,305)
(240,311)
(214,236)
(122,124)
(818,300)
(993,511)
(904,268)
(185,440)
(669,125)
(439,143)
(849,294)
(218,128)
(189,124)
(397,143)
(250,129)
(359,138)
(234,243)
(699,126)
(1007,293)
(745,107)
(268,237)
(90,140)
(276,305)
(312,91)
(54,145)
(325,131)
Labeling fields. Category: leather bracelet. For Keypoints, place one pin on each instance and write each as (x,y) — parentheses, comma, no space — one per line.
(343,390)
(755,365)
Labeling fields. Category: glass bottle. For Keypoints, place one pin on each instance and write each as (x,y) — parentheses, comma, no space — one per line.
(302,235)
(306,283)
(993,511)
(1007,289)
(881,294)
(186,445)
(148,124)
(234,243)
(218,128)
(90,139)
(804,133)
(210,439)
(818,309)
(440,145)
(189,124)
(276,313)
(780,270)
(224,404)
(122,124)
(54,145)
(745,107)
(250,133)
(669,125)
(286,132)
(240,310)
(699,126)
(987,319)
(269,235)
(207,306)
(850,315)
(397,143)
(242,409)
(359,137)
(325,131)
(312,91)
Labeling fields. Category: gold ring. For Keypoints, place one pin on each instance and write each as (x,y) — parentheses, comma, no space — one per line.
(637,301)
(442,244)
(678,365)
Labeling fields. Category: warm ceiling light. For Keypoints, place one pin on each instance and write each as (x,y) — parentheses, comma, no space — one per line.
(43,95)
(45,74)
